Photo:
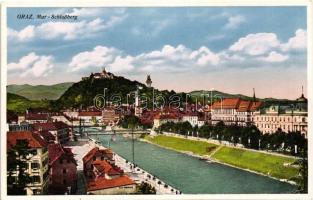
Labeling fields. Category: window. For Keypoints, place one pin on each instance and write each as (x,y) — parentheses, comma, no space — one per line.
(33,152)
(64,171)
(35,166)
(45,162)
(36,179)
(36,191)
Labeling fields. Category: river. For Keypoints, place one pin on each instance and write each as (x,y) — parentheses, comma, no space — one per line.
(191,175)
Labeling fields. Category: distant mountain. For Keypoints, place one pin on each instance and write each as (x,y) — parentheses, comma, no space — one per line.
(217,94)
(38,92)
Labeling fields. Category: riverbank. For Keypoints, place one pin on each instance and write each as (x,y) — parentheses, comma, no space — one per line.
(273,166)
(139,175)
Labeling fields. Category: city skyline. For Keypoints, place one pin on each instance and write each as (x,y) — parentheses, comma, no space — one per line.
(174,45)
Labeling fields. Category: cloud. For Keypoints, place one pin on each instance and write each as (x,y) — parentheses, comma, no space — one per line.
(25,34)
(275,57)
(298,42)
(32,65)
(64,30)
(234,22)
(256,44)
(169,58)
(99,57)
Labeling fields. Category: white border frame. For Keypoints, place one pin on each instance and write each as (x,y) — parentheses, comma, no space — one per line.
(154,3)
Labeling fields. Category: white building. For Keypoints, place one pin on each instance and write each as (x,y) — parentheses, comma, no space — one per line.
(37,161)
(234,111)
(290,118)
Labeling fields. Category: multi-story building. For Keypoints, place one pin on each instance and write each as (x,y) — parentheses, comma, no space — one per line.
(36,162)
(288,118)
(63,170)
(94,155)
(91,117)
(164,118)
(110,116)
(59,130)
(103,176)
(234,111)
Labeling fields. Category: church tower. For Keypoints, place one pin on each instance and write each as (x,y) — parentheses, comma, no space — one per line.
(148,81)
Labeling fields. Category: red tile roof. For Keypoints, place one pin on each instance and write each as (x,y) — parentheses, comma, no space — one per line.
(103,183)
(244,106)
(57,151)
(228,103)
(34,140)
(47,136)
(90,113)
(97,152)
(50,126)
(256,105)
(237,103)
(35,116)
(102,166)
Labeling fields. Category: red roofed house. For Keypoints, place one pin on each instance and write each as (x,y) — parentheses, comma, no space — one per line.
(103,176)
(35,117)
(119,185)
(58,129)
(94,155)
(63,170)
(37,162)
(234,111)
(103,169)
(91,117)
(164,118)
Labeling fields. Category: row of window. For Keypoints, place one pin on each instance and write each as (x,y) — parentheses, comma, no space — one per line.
(280,119)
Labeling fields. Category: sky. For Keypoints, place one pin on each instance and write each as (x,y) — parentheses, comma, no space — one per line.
(230,49)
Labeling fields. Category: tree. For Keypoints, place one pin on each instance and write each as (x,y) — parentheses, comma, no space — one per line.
(145,188)
(17,161)
(302,178)
(218,129)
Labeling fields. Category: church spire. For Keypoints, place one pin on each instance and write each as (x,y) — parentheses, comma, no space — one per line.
(254,99)
(302,95)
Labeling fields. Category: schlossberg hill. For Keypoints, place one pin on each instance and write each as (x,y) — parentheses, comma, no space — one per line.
(83,92)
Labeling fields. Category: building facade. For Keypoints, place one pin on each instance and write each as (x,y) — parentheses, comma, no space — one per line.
(62,170)
(37,161)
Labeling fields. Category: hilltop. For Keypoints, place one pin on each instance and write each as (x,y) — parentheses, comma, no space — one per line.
(19,104)
(39,92)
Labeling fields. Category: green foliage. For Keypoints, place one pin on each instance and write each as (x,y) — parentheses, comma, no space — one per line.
(84,92)
(145,188)
(180,127)
(19,104)
(276,166)
(129,121)
(17,161)
(249,137)
(181,144)
(39,92)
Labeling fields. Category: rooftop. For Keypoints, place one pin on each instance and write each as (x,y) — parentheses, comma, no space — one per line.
(103,183)
(34,140)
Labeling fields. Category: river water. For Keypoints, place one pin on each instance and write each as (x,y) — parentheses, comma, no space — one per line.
(191,175)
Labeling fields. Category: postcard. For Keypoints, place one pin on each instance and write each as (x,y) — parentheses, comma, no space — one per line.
(155,102)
